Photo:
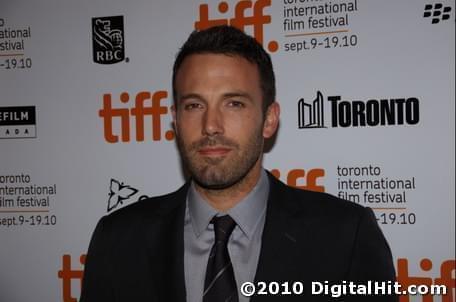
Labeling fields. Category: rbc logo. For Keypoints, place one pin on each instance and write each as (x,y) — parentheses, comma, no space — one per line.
(108,40)
(257,19)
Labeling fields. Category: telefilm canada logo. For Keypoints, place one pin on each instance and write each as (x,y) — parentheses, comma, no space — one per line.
(18,122)
(357,113)
(108,39)
(437,12)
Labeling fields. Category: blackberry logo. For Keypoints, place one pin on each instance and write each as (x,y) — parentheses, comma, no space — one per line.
(311,115)
(108,39)
(437,12)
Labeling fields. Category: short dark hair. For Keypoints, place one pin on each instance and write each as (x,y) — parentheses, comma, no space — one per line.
(229,40)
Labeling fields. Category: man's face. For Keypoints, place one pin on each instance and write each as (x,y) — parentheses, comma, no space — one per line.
(219,119)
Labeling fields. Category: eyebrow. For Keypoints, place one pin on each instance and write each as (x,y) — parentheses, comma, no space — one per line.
(189,96)
(238,94)
(224,96)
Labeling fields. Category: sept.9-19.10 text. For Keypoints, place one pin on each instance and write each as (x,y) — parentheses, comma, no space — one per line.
(16,63)
(28,220)
(321,42)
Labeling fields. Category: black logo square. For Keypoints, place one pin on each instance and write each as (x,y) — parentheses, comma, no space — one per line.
(108,39)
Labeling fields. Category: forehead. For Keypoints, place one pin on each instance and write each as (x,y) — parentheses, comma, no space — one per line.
(210,69)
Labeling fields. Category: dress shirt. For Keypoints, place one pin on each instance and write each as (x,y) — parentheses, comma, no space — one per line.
(243,246)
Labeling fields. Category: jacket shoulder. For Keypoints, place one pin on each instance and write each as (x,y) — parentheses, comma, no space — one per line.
(318,204)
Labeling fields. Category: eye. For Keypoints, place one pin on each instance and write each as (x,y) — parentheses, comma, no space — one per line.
(192,106)
(236,104)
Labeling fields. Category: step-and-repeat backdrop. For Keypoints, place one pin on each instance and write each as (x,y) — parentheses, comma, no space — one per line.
(366,88)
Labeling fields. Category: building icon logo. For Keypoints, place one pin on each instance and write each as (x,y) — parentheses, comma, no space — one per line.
(310,115)
(108,40)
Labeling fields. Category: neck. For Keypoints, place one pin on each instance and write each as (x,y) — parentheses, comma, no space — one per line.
(225,199)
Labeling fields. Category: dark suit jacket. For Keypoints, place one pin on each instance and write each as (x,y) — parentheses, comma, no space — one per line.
(137,253)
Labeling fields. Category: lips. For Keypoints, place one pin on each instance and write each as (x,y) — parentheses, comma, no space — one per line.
(214,151)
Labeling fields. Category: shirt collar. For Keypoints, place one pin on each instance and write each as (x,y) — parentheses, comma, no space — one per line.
(246,213)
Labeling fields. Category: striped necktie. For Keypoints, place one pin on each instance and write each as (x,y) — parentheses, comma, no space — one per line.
(220,284)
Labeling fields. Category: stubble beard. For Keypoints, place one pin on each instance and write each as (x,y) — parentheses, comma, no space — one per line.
(219,173)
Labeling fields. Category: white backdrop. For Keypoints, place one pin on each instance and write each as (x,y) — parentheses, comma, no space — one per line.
(371,61)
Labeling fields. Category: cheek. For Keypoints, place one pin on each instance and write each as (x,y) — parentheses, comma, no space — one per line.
(188,126)
(243,127)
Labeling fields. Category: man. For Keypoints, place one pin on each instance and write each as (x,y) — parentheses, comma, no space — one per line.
(232,222)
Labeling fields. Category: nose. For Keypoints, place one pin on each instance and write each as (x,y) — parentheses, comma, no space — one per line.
(212,122)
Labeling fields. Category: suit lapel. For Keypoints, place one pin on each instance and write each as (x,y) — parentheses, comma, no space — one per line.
(283,253)
(278,235)
(165,247)
(175,277)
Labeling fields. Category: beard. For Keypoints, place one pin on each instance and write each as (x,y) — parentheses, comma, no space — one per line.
(218,173)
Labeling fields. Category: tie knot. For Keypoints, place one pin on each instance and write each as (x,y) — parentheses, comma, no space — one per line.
(223,227)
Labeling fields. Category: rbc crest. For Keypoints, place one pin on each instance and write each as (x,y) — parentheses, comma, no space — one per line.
(108,39)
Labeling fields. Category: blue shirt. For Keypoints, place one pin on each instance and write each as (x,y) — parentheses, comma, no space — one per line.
(243,246)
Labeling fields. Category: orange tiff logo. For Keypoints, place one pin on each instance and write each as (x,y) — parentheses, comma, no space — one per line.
(447,270)
(145,104)
(67,274)
(257,19)
(298,178)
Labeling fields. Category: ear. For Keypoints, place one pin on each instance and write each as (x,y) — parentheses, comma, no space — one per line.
(174,113)
(271,122)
